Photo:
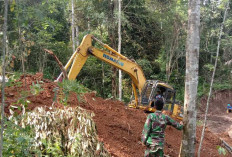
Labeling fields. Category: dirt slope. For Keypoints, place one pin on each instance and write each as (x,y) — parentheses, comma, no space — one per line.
(219,122)
(118,127)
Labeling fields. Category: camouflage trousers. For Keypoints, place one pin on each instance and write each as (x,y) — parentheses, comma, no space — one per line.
(150,152)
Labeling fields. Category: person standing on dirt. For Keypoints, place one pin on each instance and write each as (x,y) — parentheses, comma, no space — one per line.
(153,132)
(229,108)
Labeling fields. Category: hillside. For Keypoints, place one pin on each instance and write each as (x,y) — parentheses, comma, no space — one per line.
(219,122)
(119,127)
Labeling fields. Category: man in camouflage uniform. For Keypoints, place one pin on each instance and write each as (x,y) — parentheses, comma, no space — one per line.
(153,132)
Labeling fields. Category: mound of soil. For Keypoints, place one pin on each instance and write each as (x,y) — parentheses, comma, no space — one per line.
(119,127)
(21,89)
(219,122)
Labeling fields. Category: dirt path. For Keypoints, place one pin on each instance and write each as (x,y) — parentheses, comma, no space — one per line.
(118,126)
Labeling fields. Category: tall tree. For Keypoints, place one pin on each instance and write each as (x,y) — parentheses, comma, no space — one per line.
(3,74)
(111,31)
(191,80)
(119,49)
(212,80)
(73,28)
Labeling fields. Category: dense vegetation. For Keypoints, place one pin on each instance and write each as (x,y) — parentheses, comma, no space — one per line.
(153,33)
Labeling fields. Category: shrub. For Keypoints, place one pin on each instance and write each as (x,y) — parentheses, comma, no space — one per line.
(64,132)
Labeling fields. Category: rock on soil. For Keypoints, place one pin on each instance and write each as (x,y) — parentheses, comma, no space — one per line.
(118,127)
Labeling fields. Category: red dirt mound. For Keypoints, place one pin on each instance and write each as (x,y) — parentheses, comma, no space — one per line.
(118,127)
(21,89)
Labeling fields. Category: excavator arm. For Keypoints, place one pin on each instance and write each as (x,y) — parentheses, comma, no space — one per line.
(111,57)
(146,88)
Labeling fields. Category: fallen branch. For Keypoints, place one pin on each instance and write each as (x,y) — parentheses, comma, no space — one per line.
(88,102)
(126,139)
(59,63)
(226,145)
(128,128)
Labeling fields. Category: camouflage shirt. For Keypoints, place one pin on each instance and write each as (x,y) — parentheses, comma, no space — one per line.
(153,132)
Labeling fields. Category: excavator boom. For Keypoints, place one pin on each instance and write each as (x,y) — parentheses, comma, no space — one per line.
(112,57)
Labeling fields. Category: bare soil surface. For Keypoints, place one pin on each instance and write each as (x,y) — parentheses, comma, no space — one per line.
(219,122)
(118,127)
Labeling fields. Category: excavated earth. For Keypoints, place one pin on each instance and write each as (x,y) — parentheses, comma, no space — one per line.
(119,127)
(219,122)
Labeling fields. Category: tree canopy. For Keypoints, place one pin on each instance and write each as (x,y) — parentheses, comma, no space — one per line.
(153,34)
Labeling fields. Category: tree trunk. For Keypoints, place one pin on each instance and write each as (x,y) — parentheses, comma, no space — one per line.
(171,55)
(88,22)
(119,50)
(212,80)
(114,83)
(111,31)
(3,74)
(103,81)
(73,31)
(77,36)
(40,60)
(191,80)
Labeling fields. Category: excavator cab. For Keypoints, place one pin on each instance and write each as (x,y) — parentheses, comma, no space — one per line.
(149,91)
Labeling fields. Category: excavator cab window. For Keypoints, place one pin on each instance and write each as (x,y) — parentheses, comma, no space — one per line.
(159,90)
(169,96)
(151,89)
(169,99)
(148,88)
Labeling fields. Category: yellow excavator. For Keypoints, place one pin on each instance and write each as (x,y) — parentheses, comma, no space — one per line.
(144,91)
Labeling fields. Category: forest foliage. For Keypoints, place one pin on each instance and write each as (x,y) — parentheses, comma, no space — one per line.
(153,34)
